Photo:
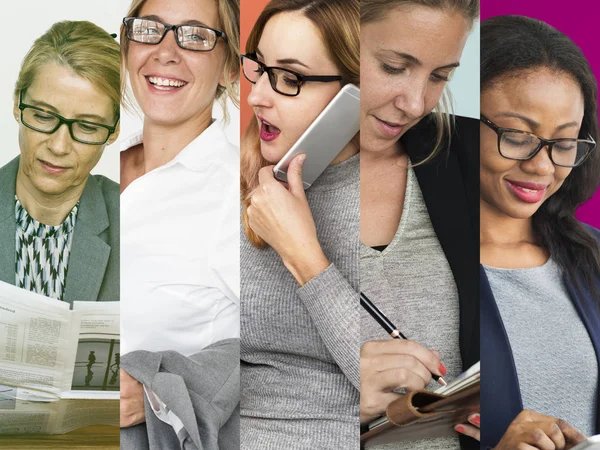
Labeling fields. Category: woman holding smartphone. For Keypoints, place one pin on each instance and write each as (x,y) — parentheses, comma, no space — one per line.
(418,209)
(299,250)
(179,201)
(540,276)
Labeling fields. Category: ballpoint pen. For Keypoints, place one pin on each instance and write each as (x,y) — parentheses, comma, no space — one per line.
(389,327)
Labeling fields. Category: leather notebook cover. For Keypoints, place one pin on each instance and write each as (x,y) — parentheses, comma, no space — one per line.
(423,414)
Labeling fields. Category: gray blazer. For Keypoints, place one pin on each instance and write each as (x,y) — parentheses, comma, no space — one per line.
(203,390)
(94,262)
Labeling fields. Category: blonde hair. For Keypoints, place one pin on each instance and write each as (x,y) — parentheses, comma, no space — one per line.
(338,23)
(229,23)
(376,10)
(85,48)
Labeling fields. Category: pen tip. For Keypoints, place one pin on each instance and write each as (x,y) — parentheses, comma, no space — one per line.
(442,381)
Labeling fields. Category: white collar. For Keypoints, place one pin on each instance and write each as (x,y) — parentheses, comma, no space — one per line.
(211,145)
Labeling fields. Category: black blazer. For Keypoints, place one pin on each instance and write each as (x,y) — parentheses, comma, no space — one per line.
(450,186)
(501,398)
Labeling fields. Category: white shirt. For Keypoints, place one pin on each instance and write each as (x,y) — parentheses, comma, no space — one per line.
(180,257)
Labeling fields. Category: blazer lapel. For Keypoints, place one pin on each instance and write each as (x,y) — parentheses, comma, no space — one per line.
(8,180)
(500,393)
(443,189)
(89,253)
(587,307)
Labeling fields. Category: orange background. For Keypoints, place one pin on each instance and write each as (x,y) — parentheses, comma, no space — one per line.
(249,12)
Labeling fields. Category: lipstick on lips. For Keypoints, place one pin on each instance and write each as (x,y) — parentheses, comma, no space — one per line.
(268,132)
(526,191)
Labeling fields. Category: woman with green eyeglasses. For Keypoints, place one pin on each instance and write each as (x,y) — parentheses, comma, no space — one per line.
(179,203)
(540,273)
(59,225)
(299,251)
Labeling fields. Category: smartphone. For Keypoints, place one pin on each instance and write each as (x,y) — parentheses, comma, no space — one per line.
(591,443)
(326,137)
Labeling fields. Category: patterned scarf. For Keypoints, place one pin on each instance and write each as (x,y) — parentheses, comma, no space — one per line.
(43,253)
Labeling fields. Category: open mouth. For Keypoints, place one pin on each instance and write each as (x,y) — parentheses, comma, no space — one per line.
(268,132)
(162,83)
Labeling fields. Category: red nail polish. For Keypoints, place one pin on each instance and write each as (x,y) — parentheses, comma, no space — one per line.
(442,369)
(476,420)
(460,429)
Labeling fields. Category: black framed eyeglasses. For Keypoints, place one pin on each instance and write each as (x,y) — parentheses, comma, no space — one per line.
(522,145)
(48,122)
(198,38)
(283,81)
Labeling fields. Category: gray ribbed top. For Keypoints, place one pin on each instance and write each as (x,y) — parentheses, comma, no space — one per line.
(553,353)
(412,284)
(299,346)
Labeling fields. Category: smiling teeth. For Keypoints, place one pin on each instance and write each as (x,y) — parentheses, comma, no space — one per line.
(529,190)
(166,82)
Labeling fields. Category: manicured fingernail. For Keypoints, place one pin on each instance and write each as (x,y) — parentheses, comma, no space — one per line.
(476,419)
(442,369)
(459,429)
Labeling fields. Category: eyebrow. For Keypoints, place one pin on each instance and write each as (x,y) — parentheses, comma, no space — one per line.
(40,104)
(287,61)
(416,61)
(187,22)
(532,123)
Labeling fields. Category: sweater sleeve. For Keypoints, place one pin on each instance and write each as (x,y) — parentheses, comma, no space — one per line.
(333,306)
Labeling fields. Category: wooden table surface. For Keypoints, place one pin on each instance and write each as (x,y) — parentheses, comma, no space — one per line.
(98,437)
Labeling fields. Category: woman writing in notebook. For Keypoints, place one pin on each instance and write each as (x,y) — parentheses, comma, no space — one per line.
(299,251)
(418,205)
(540,276)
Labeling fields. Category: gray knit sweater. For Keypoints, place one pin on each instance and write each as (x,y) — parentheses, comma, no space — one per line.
(412,284)
(300,346)
(552,350)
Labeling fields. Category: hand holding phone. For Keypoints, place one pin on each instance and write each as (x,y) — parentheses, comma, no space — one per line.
(326,137)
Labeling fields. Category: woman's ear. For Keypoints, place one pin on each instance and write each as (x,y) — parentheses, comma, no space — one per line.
(16,112)
(113,137)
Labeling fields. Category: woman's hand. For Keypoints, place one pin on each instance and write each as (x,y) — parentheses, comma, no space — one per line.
(281,216)
(393,364)
(471,429)
(533,431)
(132,401)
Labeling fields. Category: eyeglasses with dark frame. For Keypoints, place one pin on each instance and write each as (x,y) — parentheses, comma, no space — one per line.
(48,122)
(283,81)
(197,38)
(522,145)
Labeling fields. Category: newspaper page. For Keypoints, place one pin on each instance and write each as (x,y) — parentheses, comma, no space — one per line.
(59,369)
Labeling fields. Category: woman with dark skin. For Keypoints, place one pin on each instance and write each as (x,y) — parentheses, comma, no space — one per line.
(540,275)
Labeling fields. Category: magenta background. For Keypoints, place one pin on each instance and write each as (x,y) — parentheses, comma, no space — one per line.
(578,19)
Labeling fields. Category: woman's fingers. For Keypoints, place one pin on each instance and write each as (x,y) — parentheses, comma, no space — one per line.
(468,430)
(406,347)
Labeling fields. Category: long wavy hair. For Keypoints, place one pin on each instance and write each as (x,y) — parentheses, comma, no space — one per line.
(376,10)
(338,23)
(514,44)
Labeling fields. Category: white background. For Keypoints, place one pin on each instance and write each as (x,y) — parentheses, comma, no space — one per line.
(464,86)
(27,20)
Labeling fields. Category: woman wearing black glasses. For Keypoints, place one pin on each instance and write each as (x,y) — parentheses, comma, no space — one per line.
(418,207)
(180,234)
(540,275)
(299,251)
(59,224)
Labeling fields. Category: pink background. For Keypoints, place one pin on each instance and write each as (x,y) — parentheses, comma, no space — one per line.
(578,19)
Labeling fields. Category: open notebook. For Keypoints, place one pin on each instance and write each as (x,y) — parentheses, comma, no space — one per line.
(424,414)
